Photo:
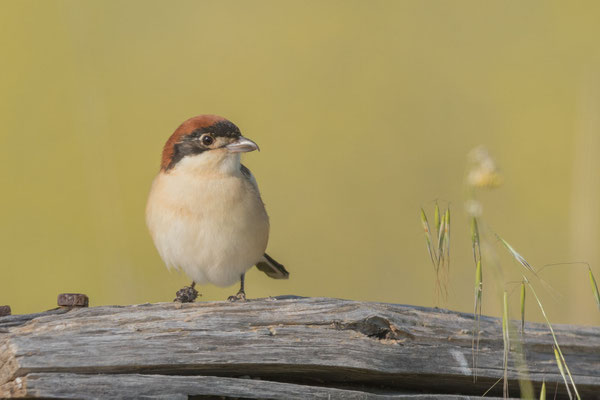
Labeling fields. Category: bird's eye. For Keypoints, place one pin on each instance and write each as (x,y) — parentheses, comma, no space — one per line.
(207,140)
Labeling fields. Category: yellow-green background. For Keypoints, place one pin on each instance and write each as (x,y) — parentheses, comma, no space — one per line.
(364,111)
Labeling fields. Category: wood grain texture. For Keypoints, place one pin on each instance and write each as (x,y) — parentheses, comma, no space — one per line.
(308,342)
(137,386)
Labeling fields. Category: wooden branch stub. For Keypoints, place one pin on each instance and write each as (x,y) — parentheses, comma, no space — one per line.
(72,300)
(4,311)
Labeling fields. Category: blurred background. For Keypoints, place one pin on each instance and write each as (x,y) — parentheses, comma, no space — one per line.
(365,111)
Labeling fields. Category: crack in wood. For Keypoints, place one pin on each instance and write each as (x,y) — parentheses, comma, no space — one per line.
(139,386)
(375,327)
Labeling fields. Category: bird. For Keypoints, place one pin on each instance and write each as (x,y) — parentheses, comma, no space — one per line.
(205,213)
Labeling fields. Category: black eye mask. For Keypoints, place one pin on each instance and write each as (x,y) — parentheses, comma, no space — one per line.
(191,145)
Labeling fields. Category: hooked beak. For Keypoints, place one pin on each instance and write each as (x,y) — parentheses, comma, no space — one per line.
(242,145)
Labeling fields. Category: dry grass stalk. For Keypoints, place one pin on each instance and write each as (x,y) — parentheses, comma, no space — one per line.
(562,371)
(477,313)
(425,225)
(517,256)
(439,253)
(562,363)
(594,287)
(506,341)
(522,308)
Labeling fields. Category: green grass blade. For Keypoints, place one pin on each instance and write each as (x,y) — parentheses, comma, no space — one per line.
(543,391)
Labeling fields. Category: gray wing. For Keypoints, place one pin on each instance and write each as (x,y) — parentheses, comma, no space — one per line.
(266,264)
(248,175)
(272,268)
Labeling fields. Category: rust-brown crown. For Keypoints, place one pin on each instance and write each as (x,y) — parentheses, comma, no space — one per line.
(195,126)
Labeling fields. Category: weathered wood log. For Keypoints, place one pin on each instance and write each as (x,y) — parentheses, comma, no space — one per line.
(283,348)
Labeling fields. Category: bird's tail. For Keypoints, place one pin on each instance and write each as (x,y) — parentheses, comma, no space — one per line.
(272,268)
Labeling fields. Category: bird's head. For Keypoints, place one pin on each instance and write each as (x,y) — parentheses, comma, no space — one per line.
(209,138)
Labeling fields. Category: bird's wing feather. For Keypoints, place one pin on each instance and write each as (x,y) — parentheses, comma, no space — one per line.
(272,268)
(248,175)
(266,264)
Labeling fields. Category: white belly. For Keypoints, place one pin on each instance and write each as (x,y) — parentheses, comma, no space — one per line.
(214,229)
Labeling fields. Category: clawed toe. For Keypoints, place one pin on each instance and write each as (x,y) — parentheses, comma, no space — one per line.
(240,296)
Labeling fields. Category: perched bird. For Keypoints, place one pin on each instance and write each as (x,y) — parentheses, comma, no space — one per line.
(204,211)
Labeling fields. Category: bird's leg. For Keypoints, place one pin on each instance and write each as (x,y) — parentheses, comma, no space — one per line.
(241,294)
(187,294)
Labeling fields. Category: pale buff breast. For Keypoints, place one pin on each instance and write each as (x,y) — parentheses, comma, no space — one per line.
(212,226)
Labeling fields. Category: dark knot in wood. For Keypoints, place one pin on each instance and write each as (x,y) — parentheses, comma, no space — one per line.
(375,327)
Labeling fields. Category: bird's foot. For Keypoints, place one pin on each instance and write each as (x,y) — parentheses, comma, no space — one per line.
(240,296)
(186,294)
